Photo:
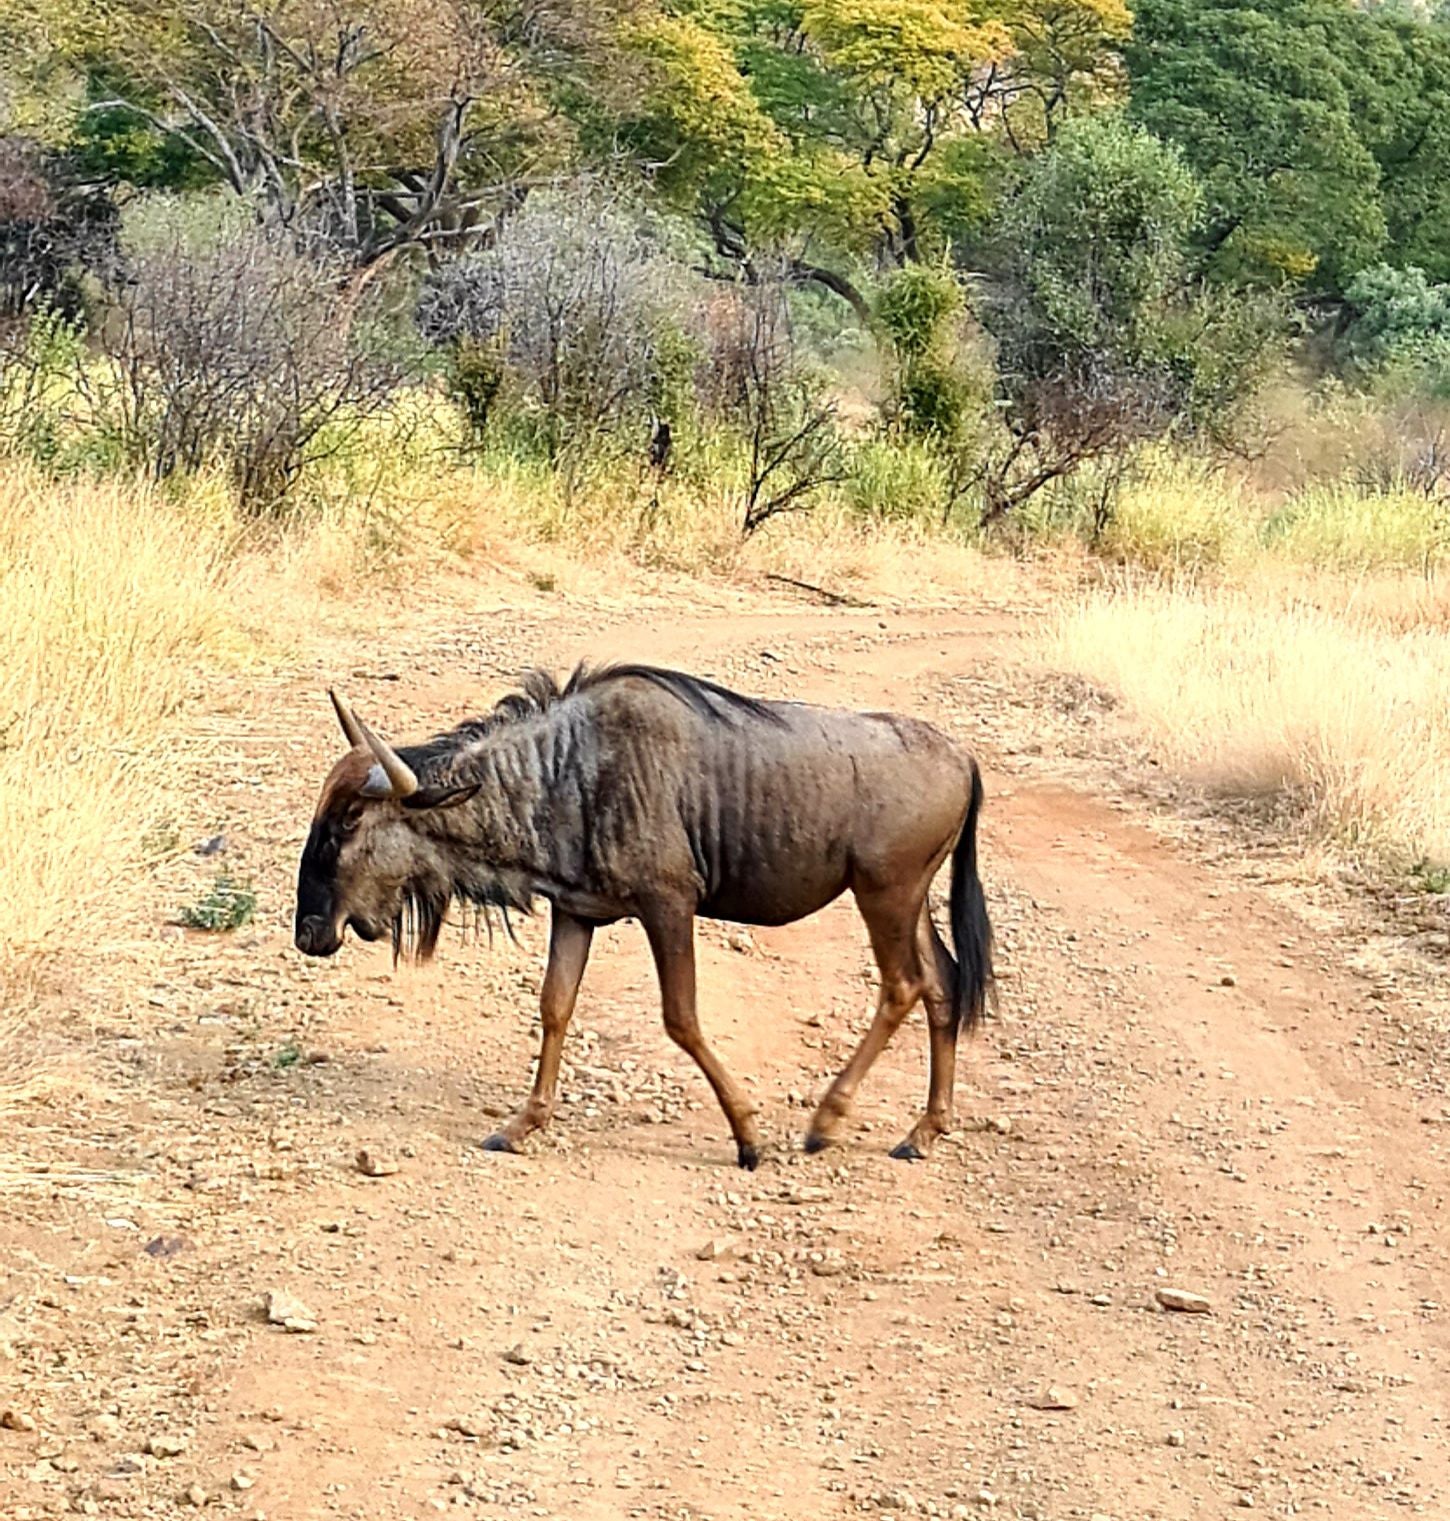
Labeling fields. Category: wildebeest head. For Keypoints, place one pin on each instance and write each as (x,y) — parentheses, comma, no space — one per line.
(367,863)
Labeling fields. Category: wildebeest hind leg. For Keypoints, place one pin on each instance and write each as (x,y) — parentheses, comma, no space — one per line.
(672,939)
(569,940)
(939,976)
(891,917)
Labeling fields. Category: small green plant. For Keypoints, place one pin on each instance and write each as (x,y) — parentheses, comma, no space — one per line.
(1430,878)
(226,905)
(287,1056)
(476,374)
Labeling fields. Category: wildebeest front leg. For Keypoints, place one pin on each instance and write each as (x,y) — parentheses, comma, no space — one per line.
(672,939)
(891,920)
(569,940)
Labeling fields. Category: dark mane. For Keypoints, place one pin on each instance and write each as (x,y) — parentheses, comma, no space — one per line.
(706,698)
(540,690)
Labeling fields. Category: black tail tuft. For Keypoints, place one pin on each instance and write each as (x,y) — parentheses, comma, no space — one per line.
(971,928)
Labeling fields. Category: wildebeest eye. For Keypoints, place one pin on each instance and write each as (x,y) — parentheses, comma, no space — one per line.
(351,819)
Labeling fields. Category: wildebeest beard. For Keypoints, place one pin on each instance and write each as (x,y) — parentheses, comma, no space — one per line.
(423,911)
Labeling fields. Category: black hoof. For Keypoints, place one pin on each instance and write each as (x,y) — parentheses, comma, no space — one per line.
(498,1141)
(815,1143)
(749,1157)
(907,1152)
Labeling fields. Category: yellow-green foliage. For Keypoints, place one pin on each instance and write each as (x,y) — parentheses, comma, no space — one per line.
(1336,525)
(902,45)
(1181,516)
(698,88)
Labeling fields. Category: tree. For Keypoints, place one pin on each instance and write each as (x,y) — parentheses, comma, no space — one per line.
(52,226)
(576,300)
(857,131)
(1401,92)
(1321,130)
(376,124)
(1104,335)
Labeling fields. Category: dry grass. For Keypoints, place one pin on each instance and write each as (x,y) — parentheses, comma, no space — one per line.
(696,533)
(112,602)
(1256,692)
(1297,648)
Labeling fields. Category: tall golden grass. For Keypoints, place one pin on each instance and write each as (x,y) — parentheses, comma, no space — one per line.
(111,602)
(1301,651)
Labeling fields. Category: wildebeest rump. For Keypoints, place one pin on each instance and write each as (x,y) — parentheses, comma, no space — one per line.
(634,792)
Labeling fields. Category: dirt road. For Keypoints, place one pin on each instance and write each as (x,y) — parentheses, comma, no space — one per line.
(1189,1085)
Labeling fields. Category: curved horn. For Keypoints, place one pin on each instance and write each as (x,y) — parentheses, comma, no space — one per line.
(348,719)
(401,778)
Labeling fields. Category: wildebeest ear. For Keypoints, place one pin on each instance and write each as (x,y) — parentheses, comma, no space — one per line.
(441,797)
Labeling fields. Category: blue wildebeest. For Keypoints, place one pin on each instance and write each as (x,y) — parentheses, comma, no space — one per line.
(638,793)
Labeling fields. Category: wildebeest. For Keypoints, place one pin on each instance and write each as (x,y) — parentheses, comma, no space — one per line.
(634,792)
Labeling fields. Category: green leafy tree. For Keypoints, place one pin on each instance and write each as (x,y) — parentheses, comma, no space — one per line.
(1104,335)
(857,131)
(1321,130)
(379,124)
(1400,86)
(1256,94)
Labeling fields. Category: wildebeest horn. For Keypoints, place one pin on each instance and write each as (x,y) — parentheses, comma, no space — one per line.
(348,719)
(401,780)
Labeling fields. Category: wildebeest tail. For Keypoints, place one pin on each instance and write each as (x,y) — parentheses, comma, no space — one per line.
(971,928)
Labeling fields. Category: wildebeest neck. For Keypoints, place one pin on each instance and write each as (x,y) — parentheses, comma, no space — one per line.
(512,839)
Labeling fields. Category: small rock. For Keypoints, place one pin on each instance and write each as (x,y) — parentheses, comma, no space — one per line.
(827,1267)
(518,1356)
(287,1311)
(1228,980)
(242,1481)
(895,1500)
(195,1495)
(1176,1438)
(1054,1398)
(16,1420)
(716,1248)
(1181,1299)
(1102,1301)
(740,940)
(1245,1500)
(471,1425)
(166,1446)
(375,1164)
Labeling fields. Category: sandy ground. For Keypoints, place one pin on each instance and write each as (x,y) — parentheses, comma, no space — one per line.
(1195,1081)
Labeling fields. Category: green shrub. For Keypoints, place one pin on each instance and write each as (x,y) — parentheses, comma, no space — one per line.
(895,479)
(916,309)
(226,905)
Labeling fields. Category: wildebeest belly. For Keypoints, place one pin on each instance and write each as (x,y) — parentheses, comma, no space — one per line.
(776,894)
